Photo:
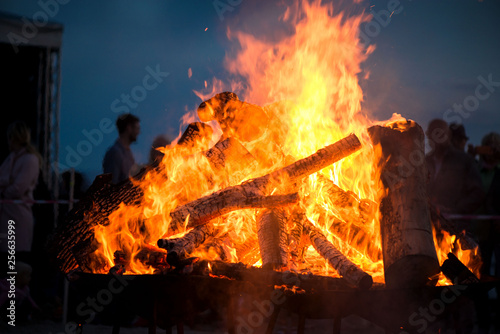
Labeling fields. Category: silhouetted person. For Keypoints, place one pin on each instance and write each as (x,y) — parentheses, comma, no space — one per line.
(454,182)
(18,178)
(119,159)
(155,156)
(458,137)
(488,232)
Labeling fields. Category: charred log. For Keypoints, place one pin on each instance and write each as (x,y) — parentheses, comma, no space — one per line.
(215,107)
(457,272)
(236,118)
(99,202)
(195,134)
(441,224)
(239,271)
(152,256)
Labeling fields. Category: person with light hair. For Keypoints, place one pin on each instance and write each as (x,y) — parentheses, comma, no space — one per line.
(18,178)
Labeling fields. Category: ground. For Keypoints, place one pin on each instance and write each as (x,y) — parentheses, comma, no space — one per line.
(285,325)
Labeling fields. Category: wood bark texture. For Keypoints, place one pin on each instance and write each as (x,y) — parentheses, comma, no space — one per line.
(348,270)
(202,210)
(408,249)
(273,239)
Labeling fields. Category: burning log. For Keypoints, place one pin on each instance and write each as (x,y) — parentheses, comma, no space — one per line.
(441,224)
(407,244)
(179,248)
(295,238)
(148,256)
(228,151)
(356,216)
(236,118)
(273,239)
(203,210)
(298,240)
(151,256)
(248,251)
(348,270)
(349,236)
(84,255)
(351,208)
(231,157)
(457,272)
(239,271)
(217,246)
(195,133)
(216,107)
(226,200)
(121,258)
(74,240)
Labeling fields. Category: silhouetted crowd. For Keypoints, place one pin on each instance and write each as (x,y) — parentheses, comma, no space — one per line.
(466,187)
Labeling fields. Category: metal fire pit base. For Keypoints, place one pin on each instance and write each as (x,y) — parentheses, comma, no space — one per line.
(173,300)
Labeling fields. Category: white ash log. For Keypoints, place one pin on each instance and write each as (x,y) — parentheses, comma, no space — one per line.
(202,210)
(296,243)
(408,249)
(179,248)
(348,270)
(230,199)
(273,239)
(230,157)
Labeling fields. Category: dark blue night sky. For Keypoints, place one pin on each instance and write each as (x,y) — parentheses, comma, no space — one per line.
(427,58)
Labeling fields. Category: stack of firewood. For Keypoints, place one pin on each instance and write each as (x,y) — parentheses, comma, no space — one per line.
(282,230)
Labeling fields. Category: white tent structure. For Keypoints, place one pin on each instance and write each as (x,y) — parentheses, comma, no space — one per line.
(30,84)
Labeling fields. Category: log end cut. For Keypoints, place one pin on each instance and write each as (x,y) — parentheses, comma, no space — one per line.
(365,282)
